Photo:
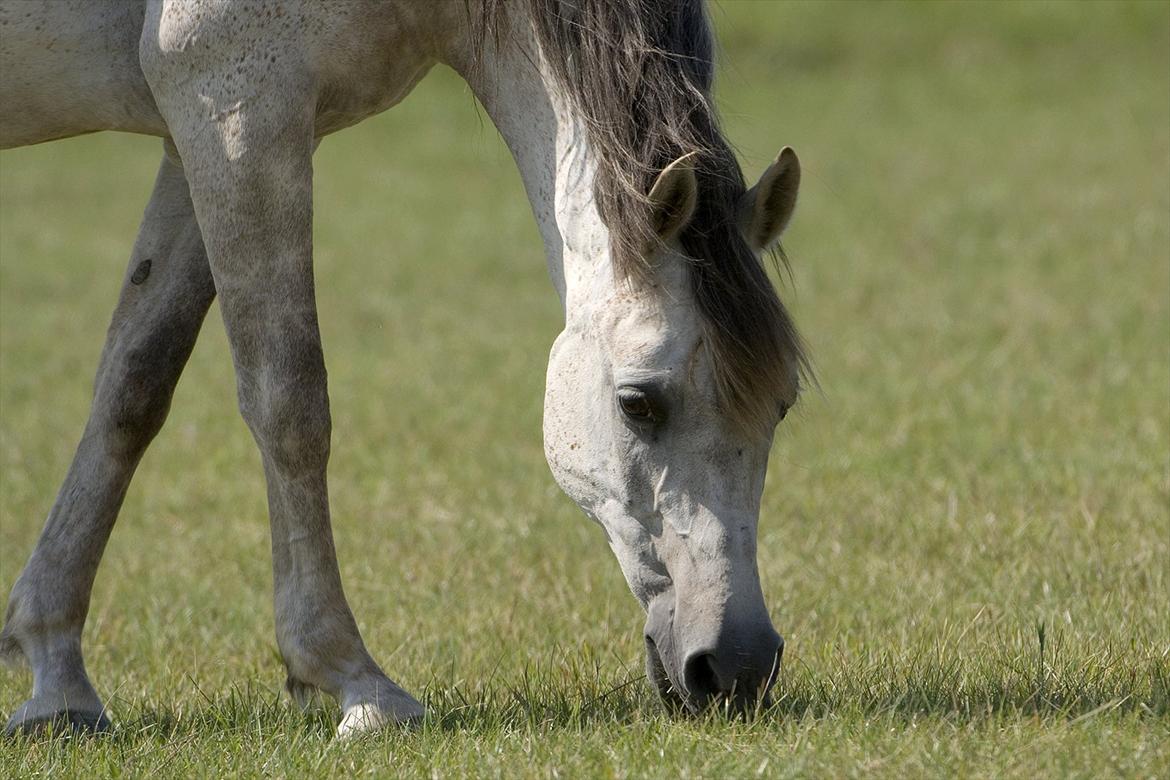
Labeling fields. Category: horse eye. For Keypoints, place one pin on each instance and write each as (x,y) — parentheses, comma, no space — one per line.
(636,405)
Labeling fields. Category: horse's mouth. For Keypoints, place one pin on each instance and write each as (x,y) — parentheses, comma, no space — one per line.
(675,700)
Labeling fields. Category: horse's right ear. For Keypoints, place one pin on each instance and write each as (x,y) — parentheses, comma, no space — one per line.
(673,198)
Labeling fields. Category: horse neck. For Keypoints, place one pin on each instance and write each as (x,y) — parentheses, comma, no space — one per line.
(548,142)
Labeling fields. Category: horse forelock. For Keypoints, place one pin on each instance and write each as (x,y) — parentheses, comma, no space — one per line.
(640,72)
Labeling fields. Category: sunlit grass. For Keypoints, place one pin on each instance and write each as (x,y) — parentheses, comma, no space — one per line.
(981,262)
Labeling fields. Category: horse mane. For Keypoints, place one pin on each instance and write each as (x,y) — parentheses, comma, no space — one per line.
(640,74)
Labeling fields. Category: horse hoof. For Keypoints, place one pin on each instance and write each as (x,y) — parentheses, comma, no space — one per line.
(27,721)
(367,718)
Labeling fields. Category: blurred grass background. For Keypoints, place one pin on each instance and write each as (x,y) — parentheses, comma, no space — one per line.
(981,261)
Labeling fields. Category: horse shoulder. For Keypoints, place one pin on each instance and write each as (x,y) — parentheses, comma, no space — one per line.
(350,60)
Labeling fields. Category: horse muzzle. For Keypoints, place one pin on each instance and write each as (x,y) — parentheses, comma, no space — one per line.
(731,664)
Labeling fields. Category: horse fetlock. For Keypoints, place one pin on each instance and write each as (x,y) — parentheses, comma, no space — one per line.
(10,652)
(327,661)
(63,698)
(39,614)
(369,699)
(27,619)
(304,694)
(58,714)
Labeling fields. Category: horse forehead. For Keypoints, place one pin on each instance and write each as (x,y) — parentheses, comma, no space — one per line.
(654,331)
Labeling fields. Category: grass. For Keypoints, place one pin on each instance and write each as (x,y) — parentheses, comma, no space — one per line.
(965,539)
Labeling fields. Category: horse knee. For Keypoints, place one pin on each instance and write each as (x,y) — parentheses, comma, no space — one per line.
(291,425)
(134,396)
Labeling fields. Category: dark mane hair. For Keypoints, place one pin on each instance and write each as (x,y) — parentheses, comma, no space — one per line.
(640,73)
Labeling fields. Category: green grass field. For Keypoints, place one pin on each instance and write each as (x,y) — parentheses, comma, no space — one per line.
(981,264)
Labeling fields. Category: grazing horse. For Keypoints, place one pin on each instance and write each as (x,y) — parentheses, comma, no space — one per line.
(676,361)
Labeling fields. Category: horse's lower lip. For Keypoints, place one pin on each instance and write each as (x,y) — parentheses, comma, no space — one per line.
(656,671)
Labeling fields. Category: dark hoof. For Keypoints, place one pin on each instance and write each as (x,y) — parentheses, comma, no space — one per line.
(68,722)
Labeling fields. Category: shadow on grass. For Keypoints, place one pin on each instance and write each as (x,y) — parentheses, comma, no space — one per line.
(951,692)
(576,696)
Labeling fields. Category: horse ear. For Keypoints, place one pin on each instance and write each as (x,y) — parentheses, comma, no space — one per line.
(673,198)
(767,207)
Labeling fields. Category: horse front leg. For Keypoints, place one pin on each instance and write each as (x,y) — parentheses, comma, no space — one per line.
(166,293)
(249,161)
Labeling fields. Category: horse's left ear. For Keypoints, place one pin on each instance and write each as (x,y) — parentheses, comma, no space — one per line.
(767,207)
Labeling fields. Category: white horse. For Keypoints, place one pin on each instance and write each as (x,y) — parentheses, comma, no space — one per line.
(676,360)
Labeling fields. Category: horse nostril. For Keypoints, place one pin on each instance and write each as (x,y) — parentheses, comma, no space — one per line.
(700,677)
